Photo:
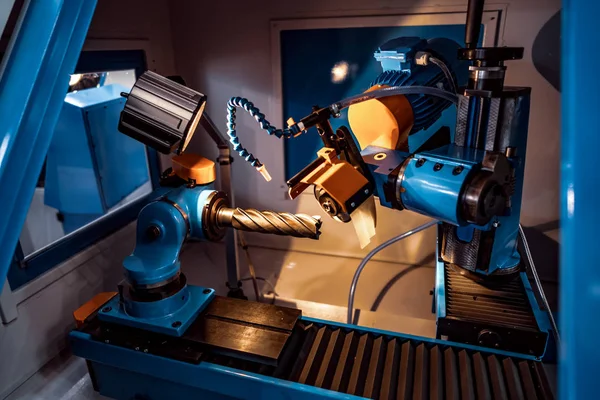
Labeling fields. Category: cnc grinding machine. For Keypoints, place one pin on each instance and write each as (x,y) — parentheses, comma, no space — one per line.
(160,337)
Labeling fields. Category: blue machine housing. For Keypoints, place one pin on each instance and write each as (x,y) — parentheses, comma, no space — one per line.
(162,228)
(156,259)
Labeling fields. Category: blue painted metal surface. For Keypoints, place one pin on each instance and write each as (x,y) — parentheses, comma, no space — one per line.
(580,188)
(35,74)
(120,160)
(440,284)
(91,166)
(434,192)
(156,259)
(71,183)
(192,201)
(170,316)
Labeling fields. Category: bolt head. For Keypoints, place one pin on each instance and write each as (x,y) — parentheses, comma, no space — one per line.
(353,204)
(153,232)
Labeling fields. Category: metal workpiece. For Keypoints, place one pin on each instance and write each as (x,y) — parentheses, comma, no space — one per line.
(284,223)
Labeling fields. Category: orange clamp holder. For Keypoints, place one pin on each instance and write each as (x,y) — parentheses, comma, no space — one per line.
(92,306)
(189,166)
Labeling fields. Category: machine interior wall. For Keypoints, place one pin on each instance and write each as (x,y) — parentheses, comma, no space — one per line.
(43,308)
(229,53)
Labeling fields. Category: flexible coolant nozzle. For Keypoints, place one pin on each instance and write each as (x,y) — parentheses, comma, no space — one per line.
(263,171)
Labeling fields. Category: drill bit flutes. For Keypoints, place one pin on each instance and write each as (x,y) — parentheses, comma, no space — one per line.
(286,224)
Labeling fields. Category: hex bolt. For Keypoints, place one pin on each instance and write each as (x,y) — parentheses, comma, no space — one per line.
(420,162)
(438,166)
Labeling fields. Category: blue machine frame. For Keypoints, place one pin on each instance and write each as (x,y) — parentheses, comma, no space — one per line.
(35,75)
(580,186)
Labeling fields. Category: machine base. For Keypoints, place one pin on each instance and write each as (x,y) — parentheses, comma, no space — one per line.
(312,359)
(173,324)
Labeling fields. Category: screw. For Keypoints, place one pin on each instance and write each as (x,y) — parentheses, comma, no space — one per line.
(145,350)
(176,324)
(106,309)
(353,204)
(106,341)
(137,349)
(153,232)
(206,291)
(437,167)
(457,170)
(366,191)
(420,162)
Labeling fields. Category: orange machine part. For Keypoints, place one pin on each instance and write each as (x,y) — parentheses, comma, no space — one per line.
(191,166)
(384,122)
(89,308)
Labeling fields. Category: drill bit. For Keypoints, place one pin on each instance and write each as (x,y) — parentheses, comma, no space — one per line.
(286,224)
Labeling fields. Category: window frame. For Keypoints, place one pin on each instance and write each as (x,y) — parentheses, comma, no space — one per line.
(26,268)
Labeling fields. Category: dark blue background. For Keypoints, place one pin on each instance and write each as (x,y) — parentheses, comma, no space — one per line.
(307,57)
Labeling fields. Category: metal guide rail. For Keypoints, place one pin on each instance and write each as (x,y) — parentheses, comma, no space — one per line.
(492,314)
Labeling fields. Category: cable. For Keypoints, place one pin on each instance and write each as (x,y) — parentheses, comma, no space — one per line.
(539,285)
(268,282)
(376,250)
(248,106)
(296,129)
(442,65)
(250,266)
(393,91)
